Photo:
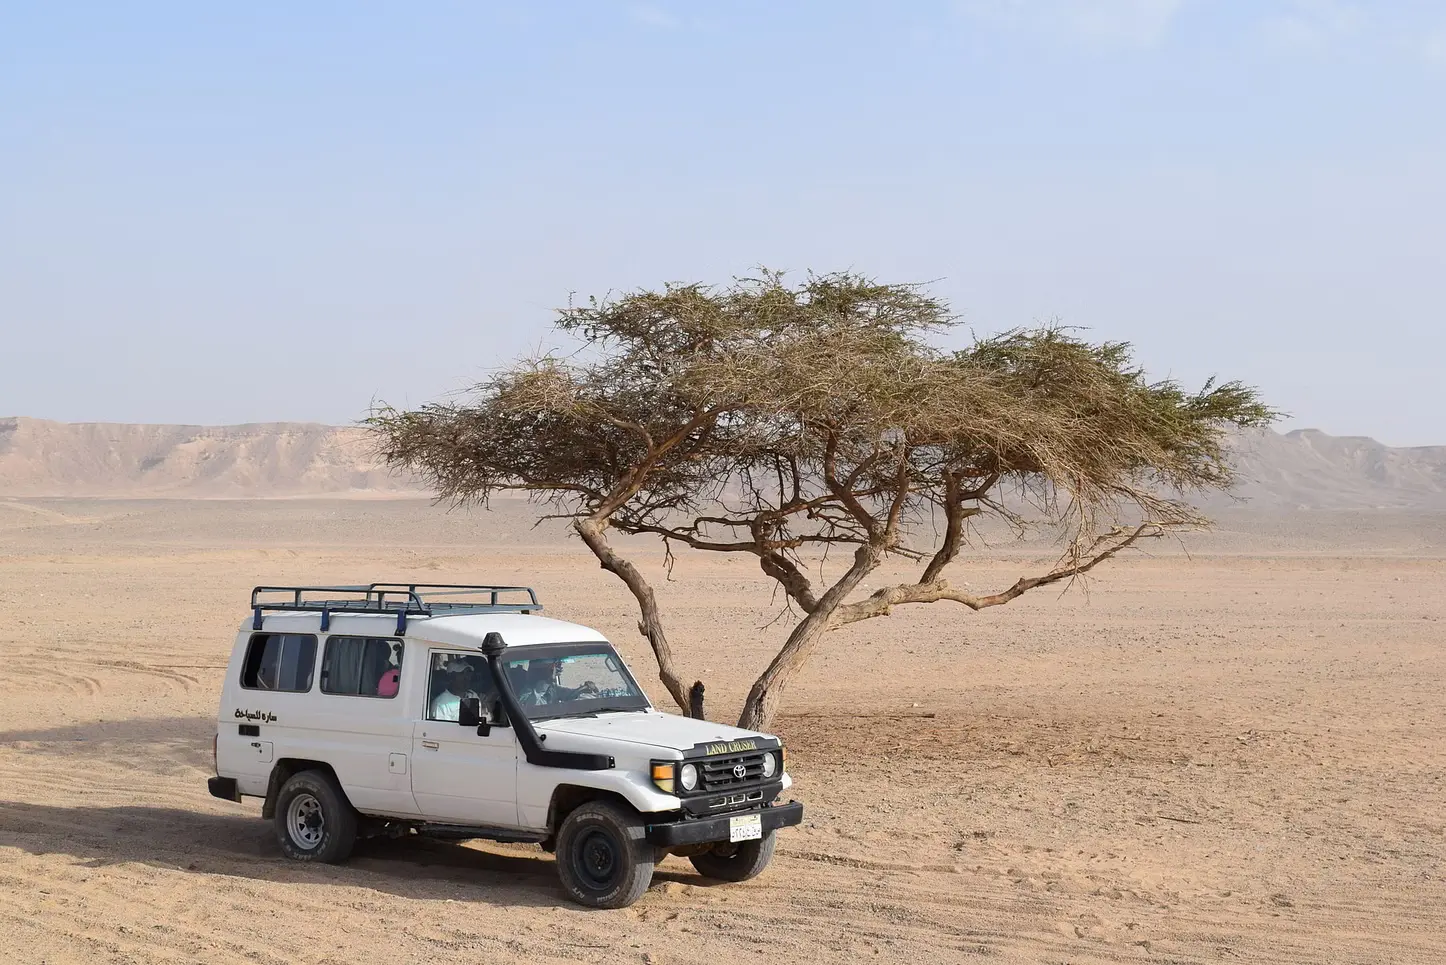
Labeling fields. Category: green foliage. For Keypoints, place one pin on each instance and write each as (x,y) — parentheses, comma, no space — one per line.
(776,420)
(768,416)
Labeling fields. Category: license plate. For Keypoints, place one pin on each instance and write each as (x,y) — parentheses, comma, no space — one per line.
(748,827)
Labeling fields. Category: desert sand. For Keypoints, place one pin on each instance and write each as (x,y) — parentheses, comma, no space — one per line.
(1230,755)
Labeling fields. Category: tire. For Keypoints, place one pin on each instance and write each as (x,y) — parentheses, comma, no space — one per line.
(602,857)
(736,862)
(314,821)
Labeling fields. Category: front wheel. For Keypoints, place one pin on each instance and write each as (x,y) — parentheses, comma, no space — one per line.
(602,857)
(736,862)
(314,820)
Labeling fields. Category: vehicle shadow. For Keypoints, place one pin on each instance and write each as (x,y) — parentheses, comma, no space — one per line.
(240,844)
(158,745)
(190,728)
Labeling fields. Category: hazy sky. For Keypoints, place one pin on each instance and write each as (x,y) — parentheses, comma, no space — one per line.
(261,211)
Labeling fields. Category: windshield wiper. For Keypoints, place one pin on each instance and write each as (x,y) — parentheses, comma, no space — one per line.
(593,713)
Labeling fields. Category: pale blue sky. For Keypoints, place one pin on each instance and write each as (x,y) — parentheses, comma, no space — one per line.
(242,212)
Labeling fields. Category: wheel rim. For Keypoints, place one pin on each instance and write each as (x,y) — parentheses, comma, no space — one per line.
(598,859)
(305,823)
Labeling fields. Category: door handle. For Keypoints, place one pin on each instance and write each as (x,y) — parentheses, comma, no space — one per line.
(431,745)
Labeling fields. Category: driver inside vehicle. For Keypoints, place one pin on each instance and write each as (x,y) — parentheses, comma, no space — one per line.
(539,685)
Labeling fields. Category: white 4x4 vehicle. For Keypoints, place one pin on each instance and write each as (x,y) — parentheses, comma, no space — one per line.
(458,711)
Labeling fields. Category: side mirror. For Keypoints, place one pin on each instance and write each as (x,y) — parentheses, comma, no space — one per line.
(469,712)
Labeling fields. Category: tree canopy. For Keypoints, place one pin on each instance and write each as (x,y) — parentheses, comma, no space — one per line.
(781,420)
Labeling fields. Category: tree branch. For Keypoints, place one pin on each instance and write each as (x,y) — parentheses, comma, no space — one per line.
(794,507)
(791,578)
(955,514)
(685,536)
(883,600)
(896,505)
(844,490)
(763,697)
(650,626)
(633,482)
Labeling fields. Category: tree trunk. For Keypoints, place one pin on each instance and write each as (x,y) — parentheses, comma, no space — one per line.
(650,626)
(762,703)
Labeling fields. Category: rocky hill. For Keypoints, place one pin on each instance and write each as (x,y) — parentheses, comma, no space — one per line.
(1305,469)
(42,458)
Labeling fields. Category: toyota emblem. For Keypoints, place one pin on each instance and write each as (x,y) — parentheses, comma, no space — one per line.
(739,771)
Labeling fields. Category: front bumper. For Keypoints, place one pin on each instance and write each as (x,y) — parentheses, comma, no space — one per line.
(707,830)
(224,788)
(703,804)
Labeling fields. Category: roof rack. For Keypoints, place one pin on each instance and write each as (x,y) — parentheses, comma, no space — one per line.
(403,599)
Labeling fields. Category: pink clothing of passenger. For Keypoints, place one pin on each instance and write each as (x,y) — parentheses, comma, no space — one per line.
(387,686)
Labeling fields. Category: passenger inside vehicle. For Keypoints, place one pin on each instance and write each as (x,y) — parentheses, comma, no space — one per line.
(455,677)
(391,677)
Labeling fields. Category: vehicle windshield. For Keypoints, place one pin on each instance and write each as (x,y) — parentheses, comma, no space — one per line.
(572,680)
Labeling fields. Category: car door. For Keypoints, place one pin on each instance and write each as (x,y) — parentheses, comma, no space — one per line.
(269,686)
(359,726)
(458,775)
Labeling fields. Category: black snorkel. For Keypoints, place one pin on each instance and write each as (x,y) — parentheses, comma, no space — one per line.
(492,648)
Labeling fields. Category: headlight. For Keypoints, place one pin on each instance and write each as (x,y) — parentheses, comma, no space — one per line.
(770,765)
(688,775)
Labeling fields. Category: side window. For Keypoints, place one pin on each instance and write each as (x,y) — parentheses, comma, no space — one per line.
(454,676)
(361,666)
(279,661)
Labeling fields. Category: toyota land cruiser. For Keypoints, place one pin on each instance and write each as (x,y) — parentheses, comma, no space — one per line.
(461,712)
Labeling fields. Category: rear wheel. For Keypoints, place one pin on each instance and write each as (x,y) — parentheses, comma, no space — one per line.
(736,862)
(314,820)
(602,857)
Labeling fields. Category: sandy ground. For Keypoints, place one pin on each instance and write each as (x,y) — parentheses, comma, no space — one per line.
(1237,756)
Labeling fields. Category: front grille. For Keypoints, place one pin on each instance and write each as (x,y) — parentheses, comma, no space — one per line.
(719,773)
(740,800)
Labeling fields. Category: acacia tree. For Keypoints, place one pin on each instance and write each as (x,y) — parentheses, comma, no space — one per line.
(784,421)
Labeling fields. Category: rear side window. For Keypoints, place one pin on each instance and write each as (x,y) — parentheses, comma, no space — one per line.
(361,666)
(279,661)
